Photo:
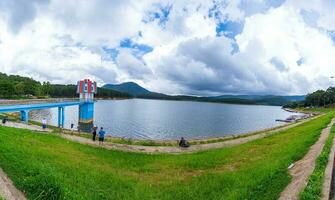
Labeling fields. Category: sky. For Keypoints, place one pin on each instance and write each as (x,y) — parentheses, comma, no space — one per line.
(195,47)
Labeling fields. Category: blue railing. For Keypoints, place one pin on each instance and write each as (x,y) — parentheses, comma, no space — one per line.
(24,109)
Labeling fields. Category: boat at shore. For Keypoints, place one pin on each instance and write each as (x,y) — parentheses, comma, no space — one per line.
(294,118)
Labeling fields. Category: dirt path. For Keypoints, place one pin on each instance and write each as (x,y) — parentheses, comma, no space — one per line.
(8,190)
(26,126)
(327,182)
(304,167)
(178,150)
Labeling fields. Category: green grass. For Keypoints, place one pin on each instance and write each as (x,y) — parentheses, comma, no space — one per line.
(315,110)
(313,189)
(50,167)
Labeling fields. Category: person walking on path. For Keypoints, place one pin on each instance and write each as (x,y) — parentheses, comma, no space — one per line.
(94,132)
(101,136)
(72,127)
(44,123)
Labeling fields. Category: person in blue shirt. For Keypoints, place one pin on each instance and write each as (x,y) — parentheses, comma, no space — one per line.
(101,136)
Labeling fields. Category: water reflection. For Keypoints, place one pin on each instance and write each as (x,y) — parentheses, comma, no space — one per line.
(156,119)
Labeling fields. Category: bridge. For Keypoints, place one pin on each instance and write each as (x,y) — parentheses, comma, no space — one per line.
(85,89)
(24,109)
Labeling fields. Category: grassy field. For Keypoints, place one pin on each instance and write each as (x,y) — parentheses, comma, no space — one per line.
(49,167)
(314,187)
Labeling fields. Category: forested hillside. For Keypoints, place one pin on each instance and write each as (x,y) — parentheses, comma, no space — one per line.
(17,87)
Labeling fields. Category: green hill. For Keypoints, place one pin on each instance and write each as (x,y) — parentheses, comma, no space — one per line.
(129,87)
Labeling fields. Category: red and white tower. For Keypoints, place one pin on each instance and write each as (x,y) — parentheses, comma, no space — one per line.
(86,90)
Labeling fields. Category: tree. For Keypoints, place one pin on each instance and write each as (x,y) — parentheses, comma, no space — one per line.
(6,89)
(46,88)
(19,89)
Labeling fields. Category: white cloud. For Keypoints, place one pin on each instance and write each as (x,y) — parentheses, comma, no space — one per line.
(62,41)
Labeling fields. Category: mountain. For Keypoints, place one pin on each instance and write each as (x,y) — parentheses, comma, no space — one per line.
(137,91)
(19,87)
(295,98)
(129,87)
(263,99)
(259,97)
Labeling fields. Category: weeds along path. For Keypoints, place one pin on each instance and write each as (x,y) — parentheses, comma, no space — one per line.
(304,167)
(8,190)
(178,150)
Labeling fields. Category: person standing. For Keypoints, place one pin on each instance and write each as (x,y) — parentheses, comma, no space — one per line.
(101,136)
(44,123)
(94,132)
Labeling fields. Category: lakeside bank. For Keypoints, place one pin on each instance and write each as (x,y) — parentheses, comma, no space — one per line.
(155,142)
(52,167)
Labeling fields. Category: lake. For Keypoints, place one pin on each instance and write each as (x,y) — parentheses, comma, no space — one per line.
(160,119)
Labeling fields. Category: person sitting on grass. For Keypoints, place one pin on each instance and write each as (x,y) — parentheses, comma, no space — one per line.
(4,120)
(101,136)
(183,143)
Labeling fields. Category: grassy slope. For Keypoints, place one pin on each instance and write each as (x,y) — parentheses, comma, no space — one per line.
(314,187)
(46,166)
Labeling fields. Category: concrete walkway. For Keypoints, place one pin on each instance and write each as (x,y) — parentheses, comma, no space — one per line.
(327,182)
(8,190)
(26,126)
(304,167)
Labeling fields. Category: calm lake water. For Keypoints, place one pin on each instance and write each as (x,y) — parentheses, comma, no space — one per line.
(158,119)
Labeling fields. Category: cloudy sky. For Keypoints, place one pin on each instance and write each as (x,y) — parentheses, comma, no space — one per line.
(199,47)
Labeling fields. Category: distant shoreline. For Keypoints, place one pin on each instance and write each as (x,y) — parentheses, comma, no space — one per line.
(46,100)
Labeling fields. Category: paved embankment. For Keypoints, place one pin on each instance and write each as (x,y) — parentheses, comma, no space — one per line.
(304,167)
(8,190)
(33,101)
(26,126)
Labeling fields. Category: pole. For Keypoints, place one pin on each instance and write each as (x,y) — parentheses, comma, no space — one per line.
(59,116)
(63,116)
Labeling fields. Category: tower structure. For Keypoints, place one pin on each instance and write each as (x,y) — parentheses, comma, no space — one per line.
(86,90)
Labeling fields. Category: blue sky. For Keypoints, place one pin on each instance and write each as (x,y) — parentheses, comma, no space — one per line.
(200,47)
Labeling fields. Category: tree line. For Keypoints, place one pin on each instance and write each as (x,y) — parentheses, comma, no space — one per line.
(319,98)
(18,87)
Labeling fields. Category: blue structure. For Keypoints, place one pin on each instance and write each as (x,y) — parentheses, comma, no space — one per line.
(86,111)
(86,90)
(24,109)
